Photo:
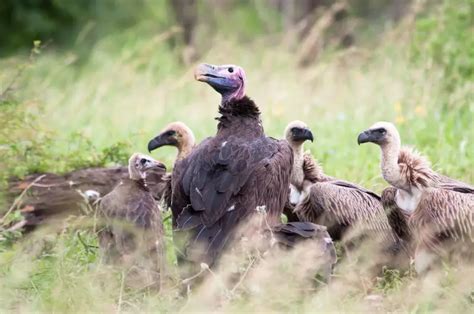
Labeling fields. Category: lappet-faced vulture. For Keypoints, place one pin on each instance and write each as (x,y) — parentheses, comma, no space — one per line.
(227,177)
(339,205)
(133,231)
(434,211)
(175,134)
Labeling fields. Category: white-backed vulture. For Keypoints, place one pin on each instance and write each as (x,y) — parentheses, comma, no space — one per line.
(336,204)
(175,134)
(133,231)
(434,211)
(50,197)
(227,177)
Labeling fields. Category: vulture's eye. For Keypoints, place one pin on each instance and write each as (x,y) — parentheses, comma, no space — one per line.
(295,129)
(230,70)
(381,131)
(143,161)
(170,133)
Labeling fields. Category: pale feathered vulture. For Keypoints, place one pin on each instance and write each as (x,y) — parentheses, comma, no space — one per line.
(339,205)
(175,134)
(50,197)
(227,177)
(133,231)
(434,211)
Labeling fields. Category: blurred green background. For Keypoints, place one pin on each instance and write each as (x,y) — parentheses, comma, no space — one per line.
(86,83)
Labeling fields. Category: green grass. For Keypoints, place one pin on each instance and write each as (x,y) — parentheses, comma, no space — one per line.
(130,87)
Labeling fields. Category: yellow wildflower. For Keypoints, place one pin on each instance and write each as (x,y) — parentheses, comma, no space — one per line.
(278,110)
(398,107)
(420,110)
(400,119)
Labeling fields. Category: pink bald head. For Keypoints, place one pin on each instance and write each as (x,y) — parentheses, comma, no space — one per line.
(228,80)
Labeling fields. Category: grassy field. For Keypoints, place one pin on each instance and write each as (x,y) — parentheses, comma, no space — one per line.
(129,88)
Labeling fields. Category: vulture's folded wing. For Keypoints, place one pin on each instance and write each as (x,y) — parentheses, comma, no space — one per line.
(455,185)
(345,203)
(446,212)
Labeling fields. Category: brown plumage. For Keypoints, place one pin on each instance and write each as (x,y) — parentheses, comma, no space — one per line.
(331,202)
(133,231)
(228,176)
(315,237)
(175,134)
(434,212)
(54,197)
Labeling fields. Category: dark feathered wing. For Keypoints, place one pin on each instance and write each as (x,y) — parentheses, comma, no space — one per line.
(447,183)
(318,247)
(222,182)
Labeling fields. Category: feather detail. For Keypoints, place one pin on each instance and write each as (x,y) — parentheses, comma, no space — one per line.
(416,169)
(313,171)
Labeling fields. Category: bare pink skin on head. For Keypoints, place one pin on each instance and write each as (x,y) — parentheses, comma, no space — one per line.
(228,80)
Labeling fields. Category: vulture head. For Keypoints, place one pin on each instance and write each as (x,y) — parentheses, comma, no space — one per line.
(175,134)
(227,80)
(381,133)
(139,164)
(297,132)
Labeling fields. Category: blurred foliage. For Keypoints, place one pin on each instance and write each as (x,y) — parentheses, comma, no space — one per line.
(73,22)
(446,38)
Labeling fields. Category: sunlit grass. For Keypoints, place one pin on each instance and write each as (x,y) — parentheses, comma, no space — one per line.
(129,93)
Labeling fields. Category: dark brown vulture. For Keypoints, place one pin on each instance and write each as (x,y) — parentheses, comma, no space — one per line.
(339,205)
(133,231)
(175,134)
(227,177)
(434,211)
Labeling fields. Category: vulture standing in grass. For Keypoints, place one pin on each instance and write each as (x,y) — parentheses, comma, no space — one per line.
(133,231)
(175,134)
(227,177)
(434,211)
(336,204)
(48,198)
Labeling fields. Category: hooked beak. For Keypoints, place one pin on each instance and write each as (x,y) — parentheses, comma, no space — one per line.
(156,165)
(159,141)
(303,135)
(364,137)
(216,77)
